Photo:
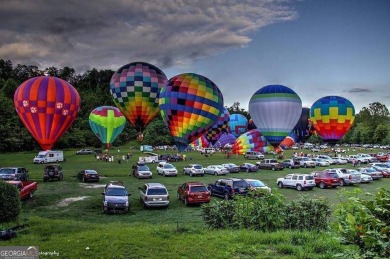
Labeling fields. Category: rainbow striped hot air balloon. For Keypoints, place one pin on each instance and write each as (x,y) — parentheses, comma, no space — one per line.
(107,123)
(249,141)
(134,88)
(200,142)
(190,104)
(275,109)
(47,106)
(332,117)
(220,127)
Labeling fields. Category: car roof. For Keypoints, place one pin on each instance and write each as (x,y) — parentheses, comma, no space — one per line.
(194,183)
(155,185)
(112,185)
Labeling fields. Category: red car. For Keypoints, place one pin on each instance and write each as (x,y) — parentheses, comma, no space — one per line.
(326,179)
(193,193)
(26,188)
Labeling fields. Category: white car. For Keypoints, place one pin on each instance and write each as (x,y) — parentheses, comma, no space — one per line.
(306,162)
(193,169)
(166,169)
(216,170)
(257,184)
(297,181)
(340,160)
(320,162)
(348,177)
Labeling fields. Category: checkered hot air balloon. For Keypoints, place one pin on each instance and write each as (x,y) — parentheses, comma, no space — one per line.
(190,104)
(47,106)
(107,123)
(134,88)
(275,109)
(332,117)
(219,128)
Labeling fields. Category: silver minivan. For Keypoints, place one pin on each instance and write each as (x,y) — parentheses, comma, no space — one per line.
(253,155)
(154,195)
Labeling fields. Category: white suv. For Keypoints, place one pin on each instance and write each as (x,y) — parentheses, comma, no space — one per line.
(207,151)
(166,169)
(297,181)
(154,195)
(193,169)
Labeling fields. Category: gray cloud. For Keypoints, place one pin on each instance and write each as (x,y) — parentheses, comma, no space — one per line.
(108,34)
(359,90)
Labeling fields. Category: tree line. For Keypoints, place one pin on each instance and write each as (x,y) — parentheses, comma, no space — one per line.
(371,124)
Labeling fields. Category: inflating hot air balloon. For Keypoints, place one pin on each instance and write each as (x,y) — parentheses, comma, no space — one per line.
(275,109)
(220,127)
(249,141)
(238,124)
(47,106)
(251,125)
(190,104)
(332,117)
(304,128)
(225,139)
(200,142)
(107,123)
(134,88)
(288,141)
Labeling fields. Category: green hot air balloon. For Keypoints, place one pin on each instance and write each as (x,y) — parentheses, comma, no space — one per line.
(107,123)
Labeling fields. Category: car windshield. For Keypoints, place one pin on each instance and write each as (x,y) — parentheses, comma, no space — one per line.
(6,171)
(143,168)
(219,167)
(256,183)
(352,171)
(197,166)
(157,191)
(240,184)
(309,177)
(370,170)
(90,172)
(169,166)
(199,189)
(116,192)
(250,165)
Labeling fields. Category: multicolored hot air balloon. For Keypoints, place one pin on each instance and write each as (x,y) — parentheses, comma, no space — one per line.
(134,88)
(238,124)
(304,128)
(190,104)
(249,141)
(220,127)
(288,141)
(332,117)
(107,123)
(200,142)
(275,109)
(47,106)
(225,139)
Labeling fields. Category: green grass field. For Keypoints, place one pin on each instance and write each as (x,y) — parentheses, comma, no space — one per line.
(80,229)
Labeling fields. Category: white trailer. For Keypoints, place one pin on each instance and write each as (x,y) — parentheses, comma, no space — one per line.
(49,156)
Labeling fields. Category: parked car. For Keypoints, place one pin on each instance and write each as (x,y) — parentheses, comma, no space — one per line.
(297,181)
(193,169)
(227,188)
(253,155)
(255,184)
(371,172)
(290,163)
(271,164)
(26,188)
(347,177)
(166,169)
(306,162)
(358,160)
(85,152)
(364,178)
(88,175)
(340,160)
(154,195)
(193,192)
(248,167)
(53,172)
(320,162)
(115,198)
(370,159)
(216,170)
(204,151)
(327,158)
(385,171)
(232,168)
(14,173)
(325,179)
(141,170)
(315,149)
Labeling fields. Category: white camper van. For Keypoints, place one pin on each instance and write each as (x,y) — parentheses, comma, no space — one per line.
(49,156)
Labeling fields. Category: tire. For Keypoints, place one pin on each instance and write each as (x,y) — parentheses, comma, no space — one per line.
(185,202)
(280,184)
(83,180)
(305,166)
(273,168)
(342,183)
(215,173)
(290,167)
(61,177)
(247,170)
(163,174)
(191,175)
(299,187)
(322,185)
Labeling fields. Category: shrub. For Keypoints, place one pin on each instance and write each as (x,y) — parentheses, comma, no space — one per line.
(307,214)
(218,214)
(9,202)
(365,222)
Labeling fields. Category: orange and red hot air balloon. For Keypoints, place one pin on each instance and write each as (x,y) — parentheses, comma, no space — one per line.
(47,106)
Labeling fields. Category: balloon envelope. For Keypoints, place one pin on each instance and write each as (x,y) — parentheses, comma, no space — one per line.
(190,104)
(134,88)
(219,127)
(238,124)
(332,117)
(107,123)
(225,139)
(252,140)
(200,142)
(275,109)
(304,128)
(47,106)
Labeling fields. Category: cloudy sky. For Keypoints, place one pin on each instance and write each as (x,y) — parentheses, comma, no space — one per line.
(315,47)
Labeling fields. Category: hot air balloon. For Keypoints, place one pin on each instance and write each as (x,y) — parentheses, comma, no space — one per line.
(107,123)
(288,141)
(200,142)
(220,127)
(251,125)
(134,88)
(304,128)
(225,139)
(238,124)
(249,141)
(47,106)
(190,104)
(332,117)
(275,109)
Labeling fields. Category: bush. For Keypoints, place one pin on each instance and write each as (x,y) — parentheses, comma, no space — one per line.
(218,214)
(365,222)
(9,202)
(307,214)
